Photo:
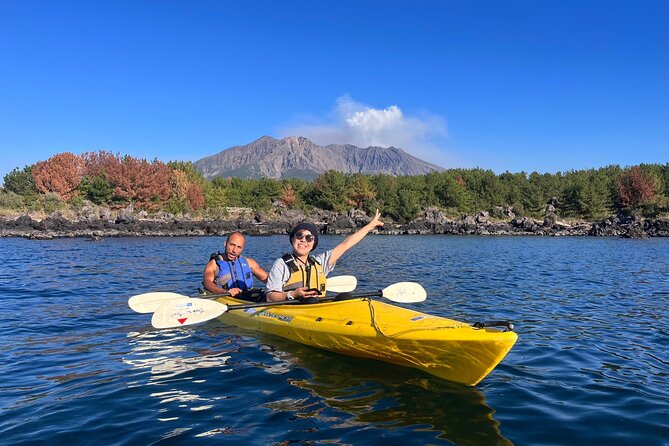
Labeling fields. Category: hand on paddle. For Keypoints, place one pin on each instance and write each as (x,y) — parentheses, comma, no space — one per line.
(234,291)
(304,293)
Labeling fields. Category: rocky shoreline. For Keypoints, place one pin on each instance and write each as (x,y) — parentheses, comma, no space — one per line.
(99,223)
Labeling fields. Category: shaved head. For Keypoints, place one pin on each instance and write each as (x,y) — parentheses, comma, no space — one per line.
(234,245)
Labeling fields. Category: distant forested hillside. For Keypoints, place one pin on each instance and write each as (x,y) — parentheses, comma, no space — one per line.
(69,181)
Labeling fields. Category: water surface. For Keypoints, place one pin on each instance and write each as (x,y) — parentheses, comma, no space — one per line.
(590,367)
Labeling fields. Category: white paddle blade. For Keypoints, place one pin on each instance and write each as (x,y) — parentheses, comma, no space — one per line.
(405,292)
(341,284)
(150,302)
(186,311)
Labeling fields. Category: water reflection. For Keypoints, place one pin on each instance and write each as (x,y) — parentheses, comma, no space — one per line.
(385,396)
(334,394)
(168,360)
(166,355)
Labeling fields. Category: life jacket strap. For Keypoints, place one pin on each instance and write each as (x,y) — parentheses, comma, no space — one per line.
(289,260)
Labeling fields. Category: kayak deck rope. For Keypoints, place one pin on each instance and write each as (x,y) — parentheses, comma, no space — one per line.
(376,326)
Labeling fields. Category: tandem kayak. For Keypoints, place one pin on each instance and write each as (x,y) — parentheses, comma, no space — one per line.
(367,328)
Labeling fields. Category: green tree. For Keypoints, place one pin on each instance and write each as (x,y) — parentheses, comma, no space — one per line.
(664,178)
(51,202)
(532,195)
(300,189)
(409,195)
(360,192)
(21,182)
(215,195)
(513,185)
(452,194)
(329,191)
(264,192)
(483,187)
(237,192)
(96,189)
(587,194)
(386,192)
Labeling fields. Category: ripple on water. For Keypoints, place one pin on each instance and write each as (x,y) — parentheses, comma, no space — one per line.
(590,366)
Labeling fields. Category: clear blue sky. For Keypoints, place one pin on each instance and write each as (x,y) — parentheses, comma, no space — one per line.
(517,85)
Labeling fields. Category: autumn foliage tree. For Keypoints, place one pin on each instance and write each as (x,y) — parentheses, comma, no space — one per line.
(637,188)
(60,174)
(187,193)
(180,184)
(147,184)
(288,196)
(98,163)
(195,196)
(133,180)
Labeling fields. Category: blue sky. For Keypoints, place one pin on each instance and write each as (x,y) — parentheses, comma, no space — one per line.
(513,85)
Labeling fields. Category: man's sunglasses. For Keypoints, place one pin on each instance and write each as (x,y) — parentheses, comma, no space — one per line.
(309,238)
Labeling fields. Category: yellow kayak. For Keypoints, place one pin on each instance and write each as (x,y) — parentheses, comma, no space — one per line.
(368,328)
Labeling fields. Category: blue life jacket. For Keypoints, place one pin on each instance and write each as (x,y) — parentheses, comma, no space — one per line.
(235,274)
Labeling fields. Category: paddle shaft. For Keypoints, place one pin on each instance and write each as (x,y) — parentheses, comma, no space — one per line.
(295,301)
(187,311)
(339,284)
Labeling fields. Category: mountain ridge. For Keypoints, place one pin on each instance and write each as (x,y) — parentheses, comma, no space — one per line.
(297,156)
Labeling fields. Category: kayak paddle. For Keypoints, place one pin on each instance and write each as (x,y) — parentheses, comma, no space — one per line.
(150,302)
(401,292)
(187,311)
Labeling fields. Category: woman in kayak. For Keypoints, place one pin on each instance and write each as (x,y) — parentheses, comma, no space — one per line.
(301,275)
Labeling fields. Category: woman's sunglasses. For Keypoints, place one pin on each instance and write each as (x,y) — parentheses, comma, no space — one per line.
(309,238)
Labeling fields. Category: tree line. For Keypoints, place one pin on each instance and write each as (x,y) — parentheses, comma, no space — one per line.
(67,180)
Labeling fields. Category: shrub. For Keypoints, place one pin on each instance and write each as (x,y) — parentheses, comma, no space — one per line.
(96,189)
(12,201)
(51,202)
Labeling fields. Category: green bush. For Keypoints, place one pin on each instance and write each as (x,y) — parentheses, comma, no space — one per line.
(76,202)
(12,201)
(176,206)
(96,189)
(51,202)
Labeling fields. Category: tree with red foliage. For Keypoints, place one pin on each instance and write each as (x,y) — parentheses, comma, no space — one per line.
(637,188)
(288,196)
(195,196)
(60,174)
(98,163)
(135,180)
(148,184)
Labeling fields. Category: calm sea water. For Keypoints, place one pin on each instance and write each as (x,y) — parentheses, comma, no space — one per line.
(591,365)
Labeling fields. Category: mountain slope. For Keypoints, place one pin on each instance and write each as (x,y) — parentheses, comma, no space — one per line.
(298,157)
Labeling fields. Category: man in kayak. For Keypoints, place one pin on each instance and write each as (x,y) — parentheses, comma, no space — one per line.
(229,272)
(302,276)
